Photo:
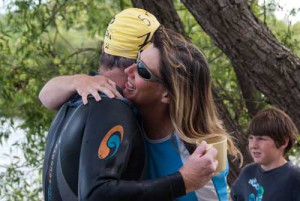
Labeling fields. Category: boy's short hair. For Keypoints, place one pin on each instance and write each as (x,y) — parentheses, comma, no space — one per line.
(276,124)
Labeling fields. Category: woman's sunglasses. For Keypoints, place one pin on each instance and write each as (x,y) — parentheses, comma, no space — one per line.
(144,71)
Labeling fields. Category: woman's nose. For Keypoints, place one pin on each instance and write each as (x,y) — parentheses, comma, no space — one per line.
(130,69)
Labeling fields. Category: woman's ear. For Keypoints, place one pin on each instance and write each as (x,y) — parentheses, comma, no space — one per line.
(165,97)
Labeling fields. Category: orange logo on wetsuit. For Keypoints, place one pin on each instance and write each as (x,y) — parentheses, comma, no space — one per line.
(111,142)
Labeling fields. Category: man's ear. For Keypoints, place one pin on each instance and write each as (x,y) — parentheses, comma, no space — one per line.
(165,97)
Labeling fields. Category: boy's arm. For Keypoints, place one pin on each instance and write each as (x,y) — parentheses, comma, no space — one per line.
(59,89)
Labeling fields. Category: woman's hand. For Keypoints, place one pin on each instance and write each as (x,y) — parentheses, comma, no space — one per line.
(85,85)
(199,167)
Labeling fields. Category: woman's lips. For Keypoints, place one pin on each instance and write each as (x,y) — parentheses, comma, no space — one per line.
(129,86)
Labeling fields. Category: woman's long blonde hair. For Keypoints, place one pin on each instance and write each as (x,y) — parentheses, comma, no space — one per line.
(186,76)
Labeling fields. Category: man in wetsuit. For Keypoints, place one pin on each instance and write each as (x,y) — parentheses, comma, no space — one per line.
(96,151)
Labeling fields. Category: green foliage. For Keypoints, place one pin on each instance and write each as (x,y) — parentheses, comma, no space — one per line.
(294,152)
(284,31)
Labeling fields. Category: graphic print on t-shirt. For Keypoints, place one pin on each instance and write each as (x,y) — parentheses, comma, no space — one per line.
(259,189)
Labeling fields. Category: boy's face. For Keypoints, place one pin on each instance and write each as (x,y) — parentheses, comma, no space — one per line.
(265,152)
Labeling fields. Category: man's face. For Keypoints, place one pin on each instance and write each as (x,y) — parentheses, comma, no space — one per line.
(115,74)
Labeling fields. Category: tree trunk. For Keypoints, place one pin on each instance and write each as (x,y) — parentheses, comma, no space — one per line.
(252,49)
(164,11)
(250,93)
(238,135)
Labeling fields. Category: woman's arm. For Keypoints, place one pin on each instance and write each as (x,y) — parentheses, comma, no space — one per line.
(59,89)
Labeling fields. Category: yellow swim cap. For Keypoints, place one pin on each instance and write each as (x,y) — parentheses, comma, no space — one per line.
(129,31)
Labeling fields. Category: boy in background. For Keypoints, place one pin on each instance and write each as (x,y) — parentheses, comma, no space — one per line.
(272,134)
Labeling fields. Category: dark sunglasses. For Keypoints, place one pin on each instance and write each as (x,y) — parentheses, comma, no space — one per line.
(144,71)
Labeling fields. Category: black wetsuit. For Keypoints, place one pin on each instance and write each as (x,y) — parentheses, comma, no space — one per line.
(96,152)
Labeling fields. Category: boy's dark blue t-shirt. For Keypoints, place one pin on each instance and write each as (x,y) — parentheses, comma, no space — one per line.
(279,184)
